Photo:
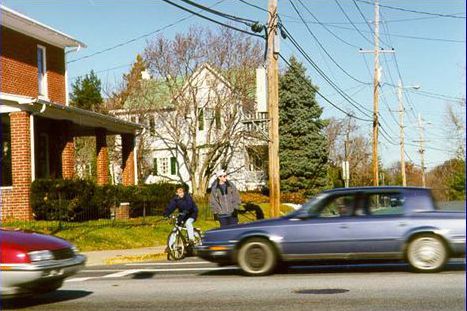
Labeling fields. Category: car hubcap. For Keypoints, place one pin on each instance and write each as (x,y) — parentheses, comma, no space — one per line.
(256,257)
(427,253)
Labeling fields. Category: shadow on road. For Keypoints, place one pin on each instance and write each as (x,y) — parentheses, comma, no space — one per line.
(53,297)
(336,268)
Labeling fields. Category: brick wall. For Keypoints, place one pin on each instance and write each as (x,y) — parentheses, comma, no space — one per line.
(18,56)
(102,157)
(128,164)
(15,202)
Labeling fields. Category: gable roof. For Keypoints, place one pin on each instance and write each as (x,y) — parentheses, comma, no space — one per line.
(28,26)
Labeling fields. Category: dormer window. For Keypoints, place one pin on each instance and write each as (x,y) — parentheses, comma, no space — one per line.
(41,71)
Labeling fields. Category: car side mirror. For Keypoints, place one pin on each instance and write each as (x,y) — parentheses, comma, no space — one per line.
(302,216)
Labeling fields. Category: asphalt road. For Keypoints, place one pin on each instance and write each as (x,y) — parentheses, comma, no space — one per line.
(196,285)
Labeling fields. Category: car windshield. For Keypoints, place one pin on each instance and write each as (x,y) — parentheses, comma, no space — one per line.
(310,206)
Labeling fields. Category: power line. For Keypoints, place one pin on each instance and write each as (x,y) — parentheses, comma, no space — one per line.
(213,20)
(437,96)
(354,103)
(325,27)
(254,6)
(324,97)
(351,22)
(322,47)
(137,38)
(403,36)
(234,18)
(412,11)
(368,24)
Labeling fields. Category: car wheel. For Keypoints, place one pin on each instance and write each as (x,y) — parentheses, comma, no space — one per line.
(256,257)
(427,253)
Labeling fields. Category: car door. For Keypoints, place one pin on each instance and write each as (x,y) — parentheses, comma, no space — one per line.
(377,225)
(324,234)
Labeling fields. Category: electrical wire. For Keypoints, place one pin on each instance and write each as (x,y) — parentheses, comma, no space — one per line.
(137,38)
(351,22)
(354,103)
(324,97)
(412,11)
(213,20)
(325,27)
(234,18)
(323,48)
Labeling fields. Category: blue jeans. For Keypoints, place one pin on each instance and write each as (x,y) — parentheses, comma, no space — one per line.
(227,220)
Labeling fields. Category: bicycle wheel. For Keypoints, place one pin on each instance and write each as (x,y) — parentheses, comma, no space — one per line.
(175,246)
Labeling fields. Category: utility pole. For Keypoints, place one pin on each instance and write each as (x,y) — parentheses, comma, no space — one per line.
(273,108)
(376,99)
(401,121)
(422,148)
(345,164)
(376,83)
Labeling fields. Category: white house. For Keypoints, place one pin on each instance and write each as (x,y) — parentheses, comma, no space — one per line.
(217,118)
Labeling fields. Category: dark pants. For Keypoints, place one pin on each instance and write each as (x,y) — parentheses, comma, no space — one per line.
(227,220)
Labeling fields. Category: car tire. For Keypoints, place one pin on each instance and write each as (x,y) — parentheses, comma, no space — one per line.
(427,253)
(256,257)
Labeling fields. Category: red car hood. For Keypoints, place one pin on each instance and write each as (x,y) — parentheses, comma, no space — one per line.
(25,241)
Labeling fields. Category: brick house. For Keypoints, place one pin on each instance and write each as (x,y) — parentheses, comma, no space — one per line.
(38,126)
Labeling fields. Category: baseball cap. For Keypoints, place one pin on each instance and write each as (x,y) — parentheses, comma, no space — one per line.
(220,173)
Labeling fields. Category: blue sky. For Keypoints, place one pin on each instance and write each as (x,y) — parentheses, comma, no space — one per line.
(430,51)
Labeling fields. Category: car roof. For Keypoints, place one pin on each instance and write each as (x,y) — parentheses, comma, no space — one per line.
(372,189)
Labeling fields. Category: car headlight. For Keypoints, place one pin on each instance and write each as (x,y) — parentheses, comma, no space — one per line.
(40,255)
(75,249)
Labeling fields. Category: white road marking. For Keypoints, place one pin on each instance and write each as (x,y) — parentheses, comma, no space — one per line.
(124,273)
(101,270)
(80,279)
(169,263)
(121,273)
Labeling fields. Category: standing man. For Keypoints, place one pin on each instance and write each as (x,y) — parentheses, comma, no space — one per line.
(224,200)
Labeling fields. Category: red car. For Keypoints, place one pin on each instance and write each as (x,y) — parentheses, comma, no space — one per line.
(33,263)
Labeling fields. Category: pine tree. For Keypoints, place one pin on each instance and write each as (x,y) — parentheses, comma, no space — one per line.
(86,92)
(302,144)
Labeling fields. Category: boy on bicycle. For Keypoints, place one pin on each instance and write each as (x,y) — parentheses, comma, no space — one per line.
(187,211)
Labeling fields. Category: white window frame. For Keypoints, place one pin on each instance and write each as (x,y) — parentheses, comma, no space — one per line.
(43,84)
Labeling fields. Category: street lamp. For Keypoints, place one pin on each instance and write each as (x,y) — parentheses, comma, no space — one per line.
(401,117)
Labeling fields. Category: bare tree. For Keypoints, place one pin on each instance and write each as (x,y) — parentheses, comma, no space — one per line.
(343,137)
(202,84)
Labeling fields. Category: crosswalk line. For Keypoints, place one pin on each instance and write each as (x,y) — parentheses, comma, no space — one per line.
(184,263)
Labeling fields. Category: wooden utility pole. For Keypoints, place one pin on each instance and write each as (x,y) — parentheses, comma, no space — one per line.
(422,148)
(401,119)
(273,108)
(376,99)
(377,75)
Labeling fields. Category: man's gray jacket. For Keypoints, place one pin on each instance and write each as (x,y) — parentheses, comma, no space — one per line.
(224,203)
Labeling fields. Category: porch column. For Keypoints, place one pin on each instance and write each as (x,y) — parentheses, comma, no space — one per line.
(21,164)
(68,153)
(128,159)
(102,153)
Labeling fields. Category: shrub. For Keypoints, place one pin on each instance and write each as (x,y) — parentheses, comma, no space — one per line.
(81,200)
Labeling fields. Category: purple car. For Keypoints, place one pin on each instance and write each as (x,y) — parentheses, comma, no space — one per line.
(33,263)
(341,225)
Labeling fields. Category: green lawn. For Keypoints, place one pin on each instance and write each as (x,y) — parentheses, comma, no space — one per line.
(133,233)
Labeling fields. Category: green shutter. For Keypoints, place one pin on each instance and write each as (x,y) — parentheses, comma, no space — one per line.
(154,166)
(173,166)
(200,119)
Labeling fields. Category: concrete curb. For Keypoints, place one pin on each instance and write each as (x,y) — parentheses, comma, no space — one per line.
(109,257)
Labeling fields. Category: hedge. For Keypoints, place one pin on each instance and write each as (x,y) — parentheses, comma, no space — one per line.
(81,200)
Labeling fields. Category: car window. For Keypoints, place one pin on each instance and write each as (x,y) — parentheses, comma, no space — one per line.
(338,206)
(386,203)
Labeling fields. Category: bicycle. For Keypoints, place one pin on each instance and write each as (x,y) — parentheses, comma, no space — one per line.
(177,240)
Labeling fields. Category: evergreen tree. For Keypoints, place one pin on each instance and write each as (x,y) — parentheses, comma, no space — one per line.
(86,92)
(302,145)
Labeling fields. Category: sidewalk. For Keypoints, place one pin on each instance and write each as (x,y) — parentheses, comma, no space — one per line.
(108,257)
